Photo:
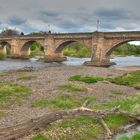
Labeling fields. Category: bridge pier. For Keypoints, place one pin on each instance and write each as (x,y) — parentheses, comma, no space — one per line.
(3,50)
(25,54)
(52,56)
(54,59)
(96,63)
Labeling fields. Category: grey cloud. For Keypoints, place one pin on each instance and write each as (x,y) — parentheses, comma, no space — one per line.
(49,13)
(114,14)
(15,20)
(74,15)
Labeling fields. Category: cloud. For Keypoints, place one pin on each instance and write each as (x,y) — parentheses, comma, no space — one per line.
(49,13)
(16,21)
(70,16)
(112,14)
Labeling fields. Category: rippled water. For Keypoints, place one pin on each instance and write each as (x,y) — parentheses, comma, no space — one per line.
(10,64)
(126,61)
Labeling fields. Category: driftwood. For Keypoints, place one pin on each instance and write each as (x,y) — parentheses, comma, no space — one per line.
(23,129)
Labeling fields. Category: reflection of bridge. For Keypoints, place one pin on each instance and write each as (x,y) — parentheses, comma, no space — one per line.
(101,43)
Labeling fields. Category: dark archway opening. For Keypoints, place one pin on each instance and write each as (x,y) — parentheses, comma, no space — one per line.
(5,47)
(76,52)
(32,49)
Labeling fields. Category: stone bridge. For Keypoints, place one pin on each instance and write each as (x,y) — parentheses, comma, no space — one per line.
(101,43)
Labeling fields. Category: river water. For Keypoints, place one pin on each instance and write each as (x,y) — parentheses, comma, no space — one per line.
(10,64)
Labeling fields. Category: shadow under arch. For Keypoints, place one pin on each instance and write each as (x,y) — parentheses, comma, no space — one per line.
(63,45)
(5,47)
(27,48)
(75,44)
(108,52)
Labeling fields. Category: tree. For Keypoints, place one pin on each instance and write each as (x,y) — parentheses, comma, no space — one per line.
(9,32)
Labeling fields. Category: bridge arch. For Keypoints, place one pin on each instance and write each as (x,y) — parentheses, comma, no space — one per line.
(63,44)
(26,48)
(5,47)
(116,45)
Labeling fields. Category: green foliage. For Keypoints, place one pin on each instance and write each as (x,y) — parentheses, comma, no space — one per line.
(86,79)
(2,56)
(36,49)
(116,121)
(63,102)
(11,93)
(130,79)
(127,49)
(73,87)
(123,138)
(39,137)
(77,50)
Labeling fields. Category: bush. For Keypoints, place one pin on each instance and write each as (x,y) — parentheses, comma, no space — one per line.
(2,56)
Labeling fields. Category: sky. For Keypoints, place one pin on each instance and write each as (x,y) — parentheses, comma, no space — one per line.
(70,15)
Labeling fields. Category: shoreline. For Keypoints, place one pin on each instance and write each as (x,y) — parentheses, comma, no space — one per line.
(128,68)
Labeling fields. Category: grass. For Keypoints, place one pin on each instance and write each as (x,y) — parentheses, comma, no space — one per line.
(63,102)
(11,93)
(86,127)
(86,79)
(73,87)
(136,136)
(114,122)
(77,128)
(28,77)
(81,127)
(39,137)
(127,104)
(130,79)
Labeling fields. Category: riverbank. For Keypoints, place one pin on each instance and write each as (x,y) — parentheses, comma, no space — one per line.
(129,68)
(45,84)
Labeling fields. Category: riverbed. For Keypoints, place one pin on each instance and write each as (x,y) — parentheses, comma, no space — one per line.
(46,82)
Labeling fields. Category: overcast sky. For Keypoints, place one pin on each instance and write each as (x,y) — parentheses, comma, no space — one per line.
(70,15)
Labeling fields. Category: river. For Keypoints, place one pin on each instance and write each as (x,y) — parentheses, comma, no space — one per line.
(10,64)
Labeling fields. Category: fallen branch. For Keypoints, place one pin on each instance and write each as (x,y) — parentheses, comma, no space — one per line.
(20,130)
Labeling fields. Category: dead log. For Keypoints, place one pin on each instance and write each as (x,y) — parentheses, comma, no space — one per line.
(20,130)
